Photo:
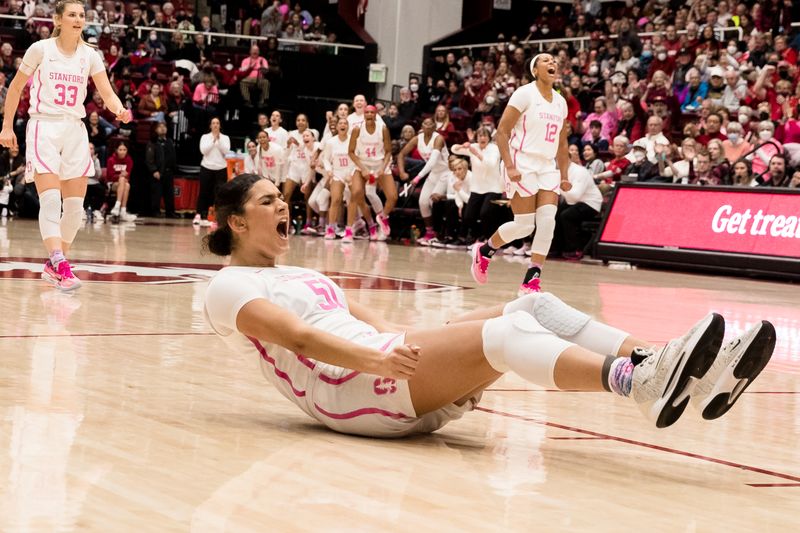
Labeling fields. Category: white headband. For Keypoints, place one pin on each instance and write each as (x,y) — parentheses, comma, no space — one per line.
(533,64)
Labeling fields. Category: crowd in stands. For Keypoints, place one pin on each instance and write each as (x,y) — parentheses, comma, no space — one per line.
(658,91)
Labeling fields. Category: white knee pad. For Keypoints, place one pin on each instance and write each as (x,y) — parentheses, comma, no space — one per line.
(71,218)
(519,228)
(569,323)
(50,214)
(371,192)
(518,342)
(545,226)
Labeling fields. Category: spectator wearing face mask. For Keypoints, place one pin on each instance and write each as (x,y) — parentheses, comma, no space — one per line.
(661,62)
(767,145)
(735,146)
(641,169)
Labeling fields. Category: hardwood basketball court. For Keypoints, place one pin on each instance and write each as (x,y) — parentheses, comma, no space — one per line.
(122,412)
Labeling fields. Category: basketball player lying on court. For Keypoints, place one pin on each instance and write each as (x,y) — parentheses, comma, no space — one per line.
(357,373)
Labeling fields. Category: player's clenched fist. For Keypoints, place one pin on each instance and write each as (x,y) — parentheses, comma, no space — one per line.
(400,362)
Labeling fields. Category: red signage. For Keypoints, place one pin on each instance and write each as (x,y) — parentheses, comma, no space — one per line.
(745,222)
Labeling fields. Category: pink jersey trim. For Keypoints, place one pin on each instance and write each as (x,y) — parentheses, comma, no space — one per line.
(39,90)
(519,184)
(36,148)
(360,412)
(278,372)
(88,165)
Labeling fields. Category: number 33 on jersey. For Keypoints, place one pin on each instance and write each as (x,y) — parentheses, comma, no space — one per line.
(58,85)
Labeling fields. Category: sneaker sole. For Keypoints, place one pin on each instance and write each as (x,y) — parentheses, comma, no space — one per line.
(50,279)
(736,380)
(75,286)
(703,348)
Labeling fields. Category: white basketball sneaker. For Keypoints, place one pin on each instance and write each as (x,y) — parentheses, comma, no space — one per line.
(662,382)
(734,369)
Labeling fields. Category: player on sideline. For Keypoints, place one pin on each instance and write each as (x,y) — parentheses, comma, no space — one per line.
(57,145)
(432,148)
(371,152)
(339,170)
(356,373)
(531,138)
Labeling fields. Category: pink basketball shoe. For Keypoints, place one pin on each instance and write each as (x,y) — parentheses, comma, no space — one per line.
(534,285)
(480,265)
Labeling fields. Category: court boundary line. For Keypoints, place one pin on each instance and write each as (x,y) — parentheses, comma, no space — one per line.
(665,449)
(130,334)
(598,392)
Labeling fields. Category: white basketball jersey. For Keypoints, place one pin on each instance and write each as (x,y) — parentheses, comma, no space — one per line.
(369,146)
(337,153)
(58,82)
(311,296)
(279,136)
(425,151)
(300,158)
(270,162)
(537,132)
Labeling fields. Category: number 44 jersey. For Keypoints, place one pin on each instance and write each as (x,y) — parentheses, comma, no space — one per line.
(536,134)
(58,81)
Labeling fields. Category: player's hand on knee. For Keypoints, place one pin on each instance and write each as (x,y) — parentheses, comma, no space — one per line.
(7,138)
(565,185)
(513,174)
(400,362)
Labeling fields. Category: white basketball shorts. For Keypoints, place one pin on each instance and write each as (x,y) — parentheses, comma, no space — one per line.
(537,174)
(364,404)
(57,147)
(376,167)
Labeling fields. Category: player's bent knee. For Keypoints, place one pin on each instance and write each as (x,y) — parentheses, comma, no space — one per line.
(519,228)
(518,342)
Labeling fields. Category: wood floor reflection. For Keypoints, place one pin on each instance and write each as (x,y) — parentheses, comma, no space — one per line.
(122,412)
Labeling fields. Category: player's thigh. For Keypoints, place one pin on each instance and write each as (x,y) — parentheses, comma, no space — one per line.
(546,198)
(46,182)
(521,205)
(388,185)
(75,187)
(451,365)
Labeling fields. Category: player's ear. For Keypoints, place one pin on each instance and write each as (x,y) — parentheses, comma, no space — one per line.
(237,223)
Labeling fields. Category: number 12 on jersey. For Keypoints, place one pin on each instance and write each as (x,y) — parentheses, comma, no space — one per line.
(550,132)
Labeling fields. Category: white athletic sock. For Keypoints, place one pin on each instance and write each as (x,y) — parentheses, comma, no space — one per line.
(116,205)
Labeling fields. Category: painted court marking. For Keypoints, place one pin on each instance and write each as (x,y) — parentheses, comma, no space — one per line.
(599,436)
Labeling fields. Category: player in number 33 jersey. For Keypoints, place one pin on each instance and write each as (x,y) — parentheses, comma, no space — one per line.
(57,145)
(533,144)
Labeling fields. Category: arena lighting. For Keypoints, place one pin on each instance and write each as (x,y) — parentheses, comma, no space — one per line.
(742,230)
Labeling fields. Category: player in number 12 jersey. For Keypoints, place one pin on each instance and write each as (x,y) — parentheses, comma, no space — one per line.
(57,145)
(531,138)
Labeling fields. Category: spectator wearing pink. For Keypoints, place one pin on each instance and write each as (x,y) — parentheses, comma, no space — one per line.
(608,120)
(254,68)
(767,147)
(735,146)
(206,94)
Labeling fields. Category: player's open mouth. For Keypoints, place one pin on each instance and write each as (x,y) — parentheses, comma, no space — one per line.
(551,71)
(283,228)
